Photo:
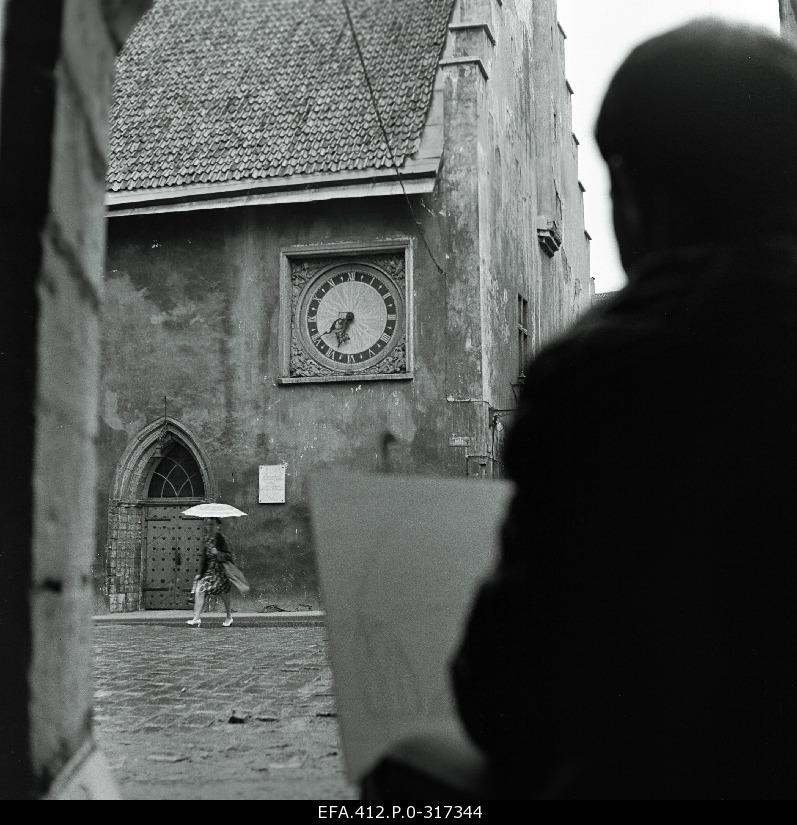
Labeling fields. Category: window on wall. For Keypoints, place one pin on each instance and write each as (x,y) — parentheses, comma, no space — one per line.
(522,334)
(177,476)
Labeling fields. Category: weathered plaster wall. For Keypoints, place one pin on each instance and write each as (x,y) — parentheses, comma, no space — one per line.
(69,295)
(192,312)
(788,19)
(500,36)
(565,276)
(575,271)
(510,134)
(57,69)
(458,200)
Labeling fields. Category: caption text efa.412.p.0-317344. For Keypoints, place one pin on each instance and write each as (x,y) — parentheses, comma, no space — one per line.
(351,317)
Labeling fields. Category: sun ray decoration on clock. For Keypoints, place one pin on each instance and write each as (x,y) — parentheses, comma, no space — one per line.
(350,319)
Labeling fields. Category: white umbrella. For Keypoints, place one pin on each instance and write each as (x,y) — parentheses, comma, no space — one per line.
(213,511)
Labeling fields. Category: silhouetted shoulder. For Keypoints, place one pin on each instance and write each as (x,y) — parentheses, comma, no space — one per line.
(622,333)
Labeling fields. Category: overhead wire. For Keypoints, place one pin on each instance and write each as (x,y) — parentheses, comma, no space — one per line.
(386,137)
(399,176)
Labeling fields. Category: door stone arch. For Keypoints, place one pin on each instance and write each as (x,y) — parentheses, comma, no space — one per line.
(163,471)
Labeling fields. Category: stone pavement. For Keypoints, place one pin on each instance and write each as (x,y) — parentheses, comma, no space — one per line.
(165,696)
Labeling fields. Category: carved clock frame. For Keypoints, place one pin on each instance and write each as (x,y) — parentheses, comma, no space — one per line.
(341,253)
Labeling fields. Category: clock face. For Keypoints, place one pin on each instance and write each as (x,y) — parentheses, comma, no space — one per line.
(351,317)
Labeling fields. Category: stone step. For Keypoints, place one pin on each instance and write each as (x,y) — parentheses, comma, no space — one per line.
(168,618)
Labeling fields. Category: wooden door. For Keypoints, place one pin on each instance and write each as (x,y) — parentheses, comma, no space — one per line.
(172,556)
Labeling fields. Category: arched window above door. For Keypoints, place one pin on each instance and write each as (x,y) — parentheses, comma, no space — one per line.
(177,475)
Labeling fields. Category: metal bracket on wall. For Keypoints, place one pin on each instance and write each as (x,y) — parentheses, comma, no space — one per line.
(497,415)
(517,387)
(549,235)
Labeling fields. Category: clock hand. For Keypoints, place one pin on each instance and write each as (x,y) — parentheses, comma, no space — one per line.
(342,324)
(340,327)
(336,327)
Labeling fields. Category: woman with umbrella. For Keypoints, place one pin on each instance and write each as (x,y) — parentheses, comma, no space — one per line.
(216,556)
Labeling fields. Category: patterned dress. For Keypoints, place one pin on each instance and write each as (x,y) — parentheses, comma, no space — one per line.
(214,581)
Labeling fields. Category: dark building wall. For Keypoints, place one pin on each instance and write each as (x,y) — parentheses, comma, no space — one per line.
(192,312)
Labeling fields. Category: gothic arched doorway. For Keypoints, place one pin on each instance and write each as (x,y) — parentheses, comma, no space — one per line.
(153,550)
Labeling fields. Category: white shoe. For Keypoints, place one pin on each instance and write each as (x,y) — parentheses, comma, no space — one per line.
(227,622)
(194,622)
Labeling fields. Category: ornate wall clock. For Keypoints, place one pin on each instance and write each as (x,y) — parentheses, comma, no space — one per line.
(348,318)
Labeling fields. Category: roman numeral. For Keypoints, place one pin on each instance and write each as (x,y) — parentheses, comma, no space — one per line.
(384,337)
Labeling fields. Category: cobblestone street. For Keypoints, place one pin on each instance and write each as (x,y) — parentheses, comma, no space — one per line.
(165,697)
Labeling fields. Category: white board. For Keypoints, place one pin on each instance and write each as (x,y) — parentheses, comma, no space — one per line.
(399,560)
(272,484)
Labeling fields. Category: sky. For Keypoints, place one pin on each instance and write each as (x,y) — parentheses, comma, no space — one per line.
(600,33)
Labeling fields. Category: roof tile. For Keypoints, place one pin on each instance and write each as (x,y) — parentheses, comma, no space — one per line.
(210,90)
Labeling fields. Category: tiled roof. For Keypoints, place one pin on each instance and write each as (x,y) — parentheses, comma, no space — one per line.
(234,90)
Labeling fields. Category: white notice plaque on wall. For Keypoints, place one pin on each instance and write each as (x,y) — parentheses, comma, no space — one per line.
(272,483)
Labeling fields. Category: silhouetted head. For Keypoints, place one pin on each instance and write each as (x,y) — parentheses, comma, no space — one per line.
(699,129)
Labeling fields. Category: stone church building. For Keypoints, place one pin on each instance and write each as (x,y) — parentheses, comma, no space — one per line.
(289,290)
